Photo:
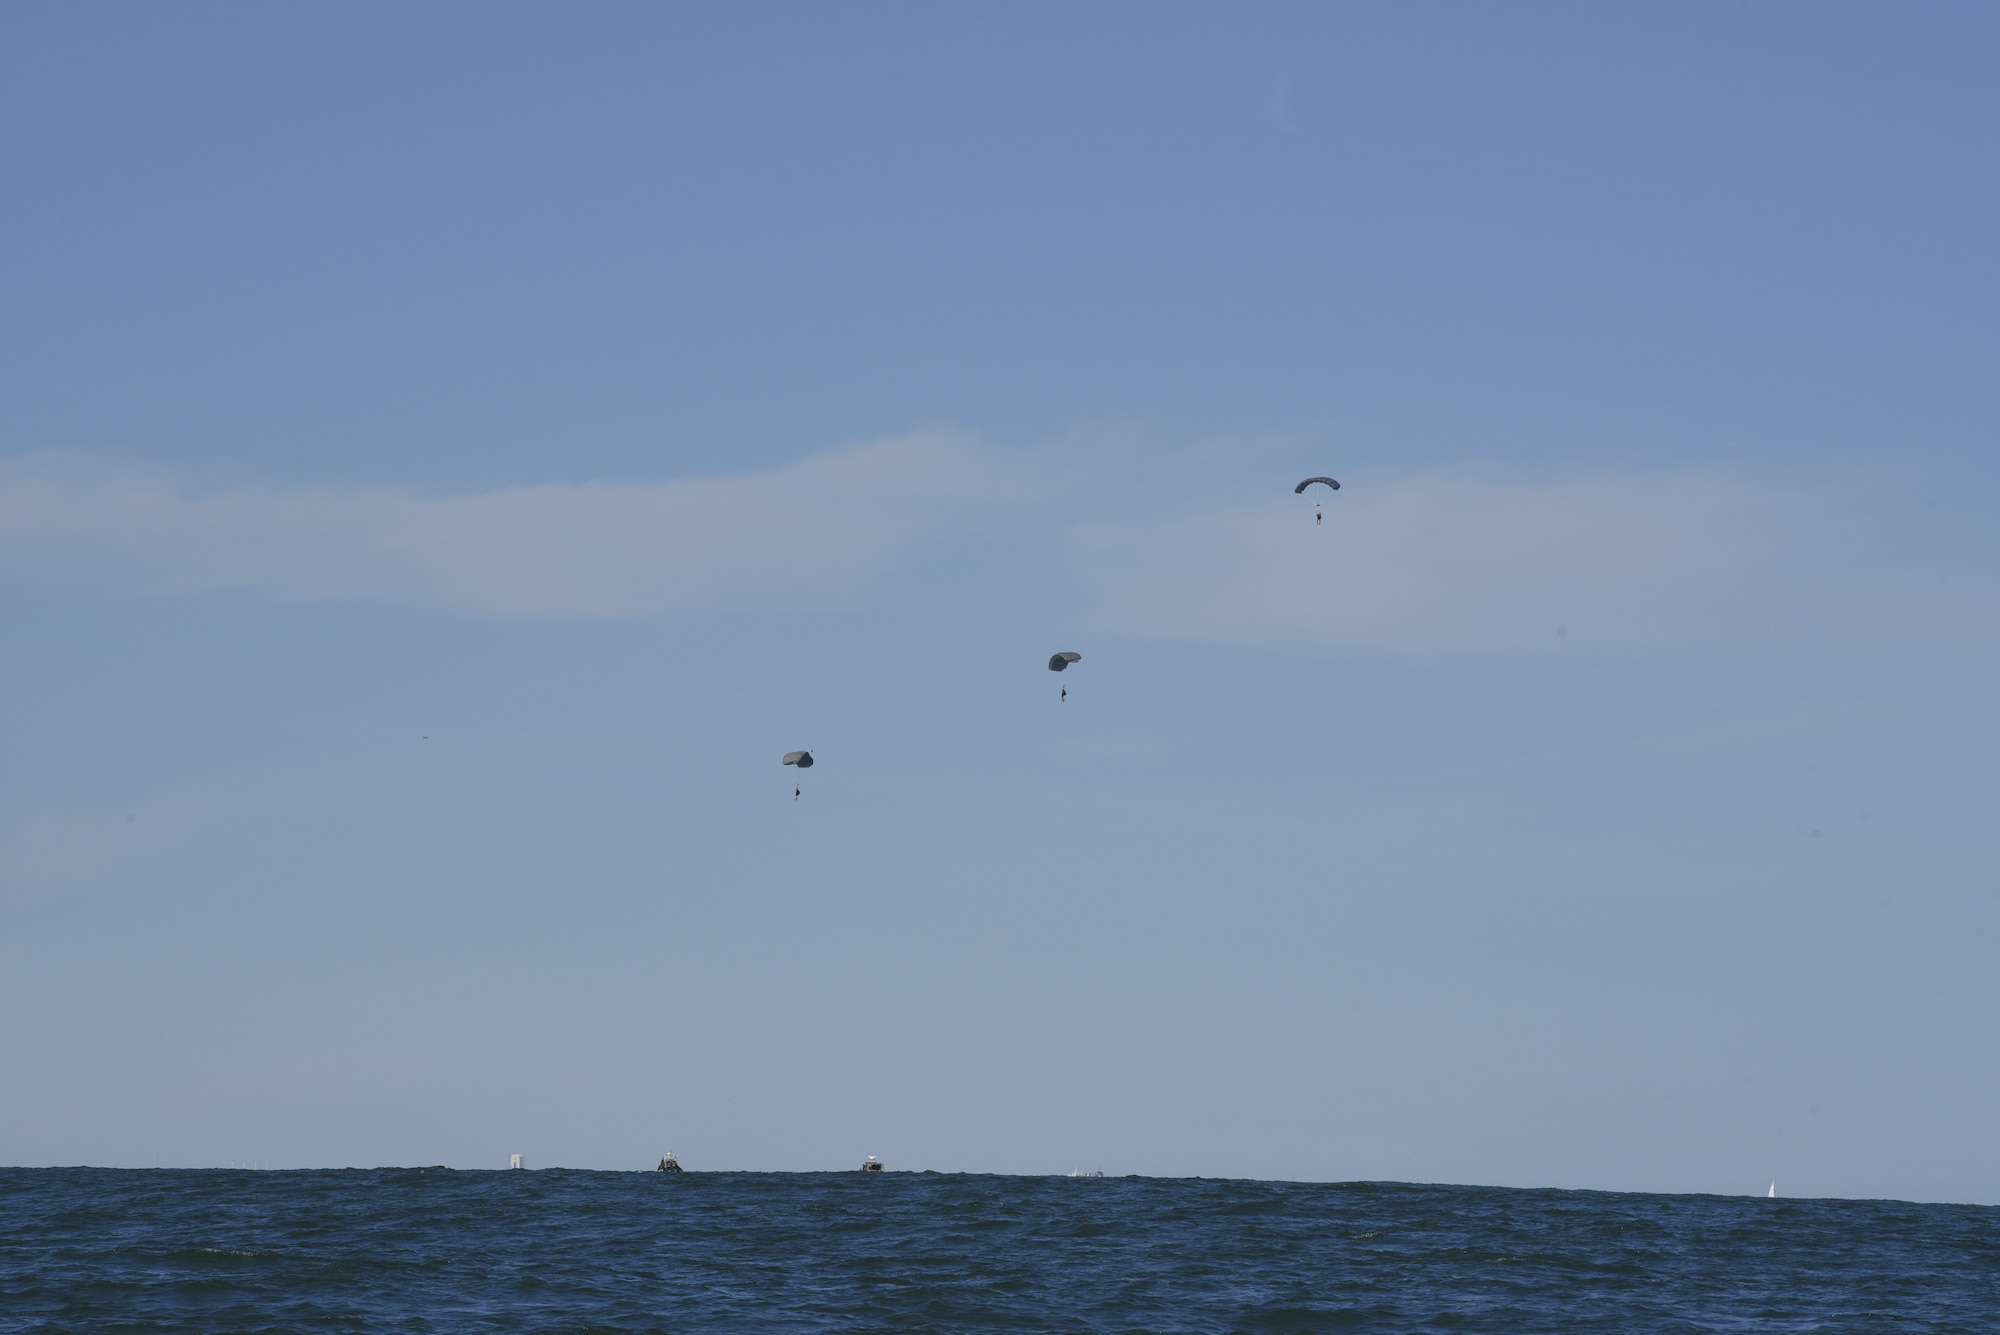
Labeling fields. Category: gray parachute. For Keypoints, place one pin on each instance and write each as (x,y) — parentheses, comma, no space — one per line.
(1301,488)
(1057,662)
(803,759)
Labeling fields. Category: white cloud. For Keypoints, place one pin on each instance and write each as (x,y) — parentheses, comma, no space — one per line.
(1461,561)
(817,532)
(1456,560)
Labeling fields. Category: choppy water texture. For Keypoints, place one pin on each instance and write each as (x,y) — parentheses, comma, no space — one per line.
(438,1250)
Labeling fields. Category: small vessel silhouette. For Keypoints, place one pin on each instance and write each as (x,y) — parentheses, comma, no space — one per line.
(668,1163)
(871,1165)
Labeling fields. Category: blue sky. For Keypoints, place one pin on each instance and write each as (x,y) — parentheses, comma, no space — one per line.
(447,456)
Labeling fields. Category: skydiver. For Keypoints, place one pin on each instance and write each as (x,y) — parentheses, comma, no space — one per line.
(1318,515)
(795,792)
(1065,695)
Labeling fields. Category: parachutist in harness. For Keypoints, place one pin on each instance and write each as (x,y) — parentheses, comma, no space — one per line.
(1060,663)
(804,760)
(1319,515)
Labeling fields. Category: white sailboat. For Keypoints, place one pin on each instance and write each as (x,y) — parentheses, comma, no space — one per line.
(1772,1194)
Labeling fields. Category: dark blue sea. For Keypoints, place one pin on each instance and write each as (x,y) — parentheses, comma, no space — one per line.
(554,1250)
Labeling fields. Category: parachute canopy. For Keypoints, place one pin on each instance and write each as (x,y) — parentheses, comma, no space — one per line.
(803,759)
(1300,489)
(1057,662)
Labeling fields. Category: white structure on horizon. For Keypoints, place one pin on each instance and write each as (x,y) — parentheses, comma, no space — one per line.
(513,1161)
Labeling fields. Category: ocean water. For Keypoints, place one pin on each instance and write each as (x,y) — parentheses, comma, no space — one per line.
(557,1250)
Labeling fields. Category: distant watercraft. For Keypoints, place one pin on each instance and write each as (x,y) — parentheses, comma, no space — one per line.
(871,1165)
(1086,1172)
(1772,1194)
(668,1163)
